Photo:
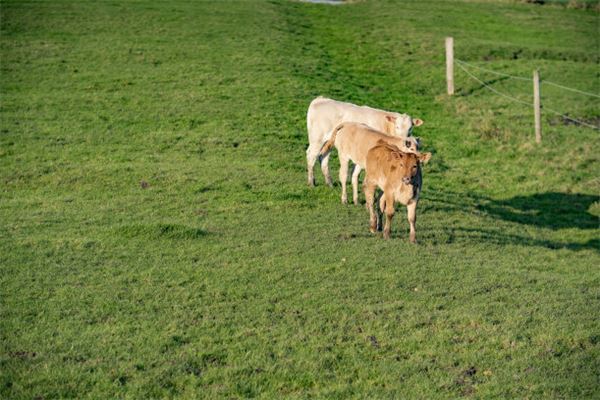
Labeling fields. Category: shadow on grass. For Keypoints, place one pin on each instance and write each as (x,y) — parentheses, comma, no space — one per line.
(499,238)
(465,92)
(162,231)
(550,210)
(458,234)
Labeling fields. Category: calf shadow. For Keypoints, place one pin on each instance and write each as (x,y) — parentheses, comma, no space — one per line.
(549,210)
(552,210)
(503,239)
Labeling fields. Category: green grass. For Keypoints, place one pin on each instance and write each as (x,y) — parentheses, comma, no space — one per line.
(158,239)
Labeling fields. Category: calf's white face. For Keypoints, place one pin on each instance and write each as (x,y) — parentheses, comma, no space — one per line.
(404,124)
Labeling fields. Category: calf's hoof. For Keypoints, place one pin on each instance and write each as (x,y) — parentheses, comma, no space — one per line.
(329,182)
(413,239)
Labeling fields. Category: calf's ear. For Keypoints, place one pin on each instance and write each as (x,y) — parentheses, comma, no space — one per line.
(390,118)
(417,122)
(424,157)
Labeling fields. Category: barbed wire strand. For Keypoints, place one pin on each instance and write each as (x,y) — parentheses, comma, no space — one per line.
(568,88)
(526,79)
(524,102)
(494,90)
(569,118)
(492,72)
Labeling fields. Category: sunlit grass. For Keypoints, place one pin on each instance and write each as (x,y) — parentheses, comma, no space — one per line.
(157,238)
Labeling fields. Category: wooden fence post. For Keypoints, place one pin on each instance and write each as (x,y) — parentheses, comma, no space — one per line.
(450,64)
(537,112)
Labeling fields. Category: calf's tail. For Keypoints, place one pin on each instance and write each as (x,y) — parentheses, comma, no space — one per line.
(328,145)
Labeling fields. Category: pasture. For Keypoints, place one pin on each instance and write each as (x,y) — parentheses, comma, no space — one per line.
(158,238)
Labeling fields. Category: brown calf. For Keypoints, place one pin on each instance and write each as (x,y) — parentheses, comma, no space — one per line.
(398,174)
(353,141)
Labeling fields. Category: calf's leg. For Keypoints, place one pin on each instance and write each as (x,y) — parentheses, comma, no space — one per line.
(380,199)
(312,153)
(389,213)
(369,190)
(344,177)
(411,211)
(325,169)
(355,175)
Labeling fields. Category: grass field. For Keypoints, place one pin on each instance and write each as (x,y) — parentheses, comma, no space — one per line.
(158,238)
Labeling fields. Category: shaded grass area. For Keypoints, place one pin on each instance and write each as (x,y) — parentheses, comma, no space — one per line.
(158,240)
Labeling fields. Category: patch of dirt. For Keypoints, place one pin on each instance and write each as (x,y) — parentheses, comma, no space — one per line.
(465,381)
(23,355)
(374,341)
(346,236)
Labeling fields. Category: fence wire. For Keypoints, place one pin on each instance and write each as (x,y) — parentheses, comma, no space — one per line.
(568,88)
(521,78)
(571,119)
(461,65)
(492,89)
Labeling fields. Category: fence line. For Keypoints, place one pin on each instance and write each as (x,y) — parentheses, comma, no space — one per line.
(494,90)
(461,66)
(543,81)
(571,89)
(492,72)
(569,118)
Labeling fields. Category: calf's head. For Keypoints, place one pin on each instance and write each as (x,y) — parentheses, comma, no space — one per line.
(407,164)
(403,124)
